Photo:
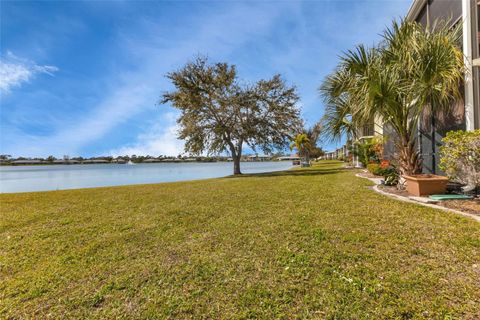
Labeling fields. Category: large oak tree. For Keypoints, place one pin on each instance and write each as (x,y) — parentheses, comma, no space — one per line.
(218,113)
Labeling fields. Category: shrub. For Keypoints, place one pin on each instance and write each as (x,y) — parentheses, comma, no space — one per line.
(365,151)
(378,144)
(350,160)
(385,169)
(460,157)
(385,164)
(392,178)
(376,169)
(373,167)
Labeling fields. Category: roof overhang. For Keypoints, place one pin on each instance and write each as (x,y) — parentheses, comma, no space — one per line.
(415,9)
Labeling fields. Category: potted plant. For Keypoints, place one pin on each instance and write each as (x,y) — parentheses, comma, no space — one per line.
(425,184)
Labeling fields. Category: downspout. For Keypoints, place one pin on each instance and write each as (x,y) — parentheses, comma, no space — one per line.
(467,53)
(419,141)
(432,115)
(434,141)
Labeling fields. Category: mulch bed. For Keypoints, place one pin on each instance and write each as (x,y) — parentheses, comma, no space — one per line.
(468,206)
(393,190)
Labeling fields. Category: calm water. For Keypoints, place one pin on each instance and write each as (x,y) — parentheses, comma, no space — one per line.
(58,177)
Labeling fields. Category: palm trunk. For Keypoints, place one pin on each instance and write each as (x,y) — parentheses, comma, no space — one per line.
(409,156)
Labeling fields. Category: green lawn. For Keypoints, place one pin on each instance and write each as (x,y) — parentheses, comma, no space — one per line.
(313,243)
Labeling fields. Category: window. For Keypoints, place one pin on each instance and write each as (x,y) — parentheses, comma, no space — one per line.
(444,10)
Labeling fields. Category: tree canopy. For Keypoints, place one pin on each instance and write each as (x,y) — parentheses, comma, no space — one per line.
(302,143)
(219,113)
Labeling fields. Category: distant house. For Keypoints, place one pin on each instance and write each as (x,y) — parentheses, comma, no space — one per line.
(335,154)
(151,160)
(289,158)
(26,162)
(259,158)
(92,161)
(65,161)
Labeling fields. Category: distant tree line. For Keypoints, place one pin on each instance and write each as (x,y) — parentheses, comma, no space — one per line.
(6,159)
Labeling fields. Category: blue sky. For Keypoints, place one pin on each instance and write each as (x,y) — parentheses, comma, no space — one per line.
(83,78)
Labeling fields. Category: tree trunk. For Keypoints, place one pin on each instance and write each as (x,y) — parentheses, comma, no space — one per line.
(236,164)
(236,155)
(307,157)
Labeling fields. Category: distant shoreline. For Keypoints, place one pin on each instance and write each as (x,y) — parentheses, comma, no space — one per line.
(125,163)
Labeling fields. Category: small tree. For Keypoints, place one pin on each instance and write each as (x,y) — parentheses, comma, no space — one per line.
(219,114)
(460,157)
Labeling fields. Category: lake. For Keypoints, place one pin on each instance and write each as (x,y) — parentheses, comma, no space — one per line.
(60,177)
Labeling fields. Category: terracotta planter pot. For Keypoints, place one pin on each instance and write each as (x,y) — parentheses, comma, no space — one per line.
(426,184)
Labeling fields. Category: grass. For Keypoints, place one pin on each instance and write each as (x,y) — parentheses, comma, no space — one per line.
(310,243)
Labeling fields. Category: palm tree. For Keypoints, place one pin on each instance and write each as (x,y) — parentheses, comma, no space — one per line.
(337,120)
(302,143)
(414,69)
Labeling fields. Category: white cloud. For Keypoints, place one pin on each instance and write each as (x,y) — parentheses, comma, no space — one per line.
(137,91)
(14,71)
(159,139)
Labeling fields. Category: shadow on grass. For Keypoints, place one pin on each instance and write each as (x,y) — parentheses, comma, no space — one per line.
(311,171)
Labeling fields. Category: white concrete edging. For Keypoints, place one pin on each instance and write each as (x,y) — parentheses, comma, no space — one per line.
(405,199)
